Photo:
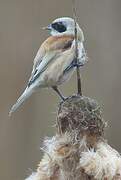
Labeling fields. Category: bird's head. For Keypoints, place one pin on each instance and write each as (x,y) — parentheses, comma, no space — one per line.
(64,26)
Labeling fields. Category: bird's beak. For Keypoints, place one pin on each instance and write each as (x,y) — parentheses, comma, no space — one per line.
(47,27)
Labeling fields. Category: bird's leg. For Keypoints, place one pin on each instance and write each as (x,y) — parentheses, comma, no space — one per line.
(58,92)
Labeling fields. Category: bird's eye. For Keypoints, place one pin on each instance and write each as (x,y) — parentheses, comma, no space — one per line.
(59,26)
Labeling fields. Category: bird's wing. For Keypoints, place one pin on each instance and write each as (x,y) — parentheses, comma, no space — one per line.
(53,47)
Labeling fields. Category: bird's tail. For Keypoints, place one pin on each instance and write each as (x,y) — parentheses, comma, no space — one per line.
(26,94)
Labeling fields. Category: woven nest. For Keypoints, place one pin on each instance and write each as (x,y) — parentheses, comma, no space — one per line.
(82,114)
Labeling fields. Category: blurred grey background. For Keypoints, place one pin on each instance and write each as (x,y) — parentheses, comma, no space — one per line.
(20,37)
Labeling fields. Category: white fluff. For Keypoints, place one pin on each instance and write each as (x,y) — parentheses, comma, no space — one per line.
(104,163)
(33,176)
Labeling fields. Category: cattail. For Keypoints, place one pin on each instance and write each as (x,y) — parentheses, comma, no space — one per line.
(78,151)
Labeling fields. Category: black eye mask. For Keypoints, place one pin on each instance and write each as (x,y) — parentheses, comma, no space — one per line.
(59,26)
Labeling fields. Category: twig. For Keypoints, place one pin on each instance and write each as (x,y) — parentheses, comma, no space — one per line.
(76,51)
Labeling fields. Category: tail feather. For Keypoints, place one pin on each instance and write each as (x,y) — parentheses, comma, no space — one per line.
(26,94)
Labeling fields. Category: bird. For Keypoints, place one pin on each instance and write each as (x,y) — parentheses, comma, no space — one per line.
(54,62)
